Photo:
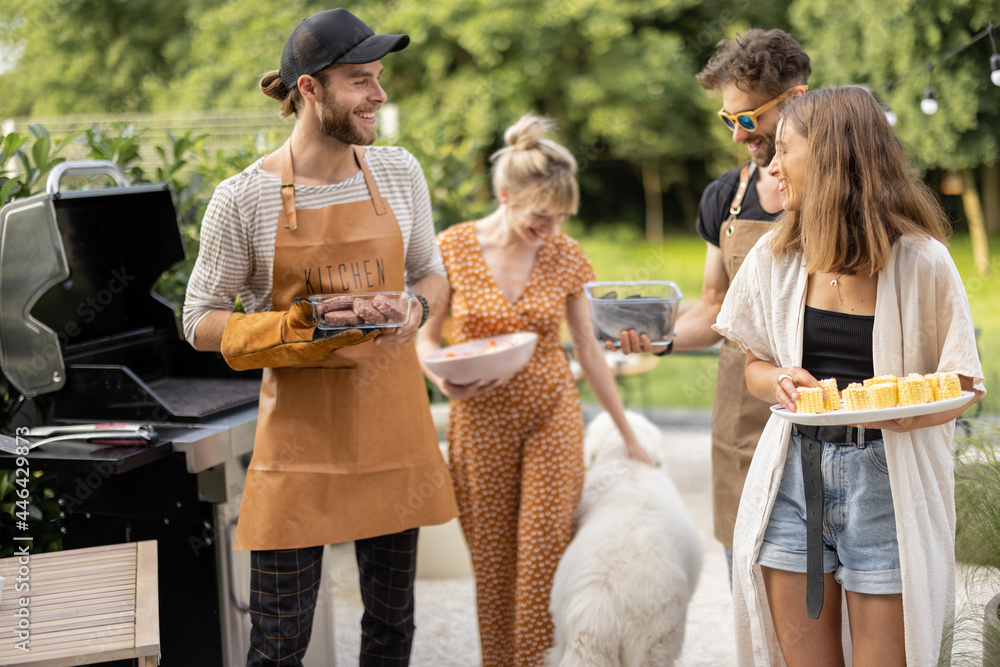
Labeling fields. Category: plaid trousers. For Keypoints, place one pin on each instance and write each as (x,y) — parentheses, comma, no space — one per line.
(284,585)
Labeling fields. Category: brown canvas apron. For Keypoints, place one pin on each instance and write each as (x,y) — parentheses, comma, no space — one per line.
(347,449)
(738,417)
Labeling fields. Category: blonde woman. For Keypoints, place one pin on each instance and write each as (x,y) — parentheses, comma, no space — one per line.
(516,449)
(854,281)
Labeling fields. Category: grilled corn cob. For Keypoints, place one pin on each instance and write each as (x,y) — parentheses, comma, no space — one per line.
(883,395)
(880,379)
(913,391)
(810,400)
(950,386)
(934,385)
(832,400)
(856,397)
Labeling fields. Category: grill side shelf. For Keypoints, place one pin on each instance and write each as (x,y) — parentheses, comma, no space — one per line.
(116,393)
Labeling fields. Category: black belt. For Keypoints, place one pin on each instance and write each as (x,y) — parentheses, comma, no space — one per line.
(813,438)
(842,435)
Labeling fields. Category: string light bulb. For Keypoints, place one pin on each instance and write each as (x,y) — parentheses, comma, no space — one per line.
(994,59)
(929,103)
(890,115)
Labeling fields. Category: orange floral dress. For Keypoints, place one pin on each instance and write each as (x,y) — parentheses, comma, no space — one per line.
(516,452)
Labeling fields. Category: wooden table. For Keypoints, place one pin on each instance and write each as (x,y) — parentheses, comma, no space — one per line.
(84,605)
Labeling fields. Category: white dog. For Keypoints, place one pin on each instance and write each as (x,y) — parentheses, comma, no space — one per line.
(621,591)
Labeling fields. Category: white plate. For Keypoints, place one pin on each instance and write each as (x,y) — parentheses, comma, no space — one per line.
(848,418)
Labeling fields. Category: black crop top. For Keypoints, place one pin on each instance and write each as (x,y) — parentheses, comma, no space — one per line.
(837,345)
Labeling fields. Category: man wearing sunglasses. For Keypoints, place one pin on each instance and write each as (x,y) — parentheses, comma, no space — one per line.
(757,74)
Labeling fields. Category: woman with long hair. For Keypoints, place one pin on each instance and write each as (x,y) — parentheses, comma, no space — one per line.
(855,281)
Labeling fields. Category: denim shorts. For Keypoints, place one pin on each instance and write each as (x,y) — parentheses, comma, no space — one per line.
(859,524)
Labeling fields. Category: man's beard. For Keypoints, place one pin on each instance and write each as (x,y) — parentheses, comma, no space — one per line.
(338,123)
(764,156)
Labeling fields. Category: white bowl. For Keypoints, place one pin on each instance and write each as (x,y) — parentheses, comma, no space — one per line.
(483,359)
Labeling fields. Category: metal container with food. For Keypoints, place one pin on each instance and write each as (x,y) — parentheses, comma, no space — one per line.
(372,310)
(648,306)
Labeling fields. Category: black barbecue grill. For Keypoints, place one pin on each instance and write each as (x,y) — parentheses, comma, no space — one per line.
(77,311)
(79,323)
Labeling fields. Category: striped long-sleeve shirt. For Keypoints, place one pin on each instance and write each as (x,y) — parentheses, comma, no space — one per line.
(241,222)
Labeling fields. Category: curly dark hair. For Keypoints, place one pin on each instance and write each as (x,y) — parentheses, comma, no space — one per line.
(763,61)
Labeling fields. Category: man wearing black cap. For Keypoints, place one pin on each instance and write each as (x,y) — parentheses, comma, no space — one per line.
(345,448)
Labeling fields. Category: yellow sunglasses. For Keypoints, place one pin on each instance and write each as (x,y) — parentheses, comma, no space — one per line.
(748,119)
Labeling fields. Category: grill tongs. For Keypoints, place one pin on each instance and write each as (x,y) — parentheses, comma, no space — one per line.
(119,433)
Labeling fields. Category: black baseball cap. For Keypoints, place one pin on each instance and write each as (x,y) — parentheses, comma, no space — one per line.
(333,36)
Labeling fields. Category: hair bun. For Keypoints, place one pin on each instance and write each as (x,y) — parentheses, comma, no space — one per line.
(532,166)
(527,132)
(272,85)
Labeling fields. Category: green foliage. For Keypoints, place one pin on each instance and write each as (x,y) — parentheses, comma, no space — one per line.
(867,42)
(977,496)
(618,78)
(977,542)
(982,292)
(458,181)
(30,499)
(119,145)
(87,56)
(606,74)
(35,162)
(226,47)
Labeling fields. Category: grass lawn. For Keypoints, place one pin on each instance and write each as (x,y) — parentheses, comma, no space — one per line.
(688,380)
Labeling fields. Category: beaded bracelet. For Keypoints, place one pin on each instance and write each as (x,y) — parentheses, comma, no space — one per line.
(426,307)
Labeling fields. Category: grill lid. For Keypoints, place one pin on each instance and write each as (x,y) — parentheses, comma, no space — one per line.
(77,267)
(78,313)
(31,261)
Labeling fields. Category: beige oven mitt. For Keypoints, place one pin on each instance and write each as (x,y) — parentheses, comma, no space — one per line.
(276,339)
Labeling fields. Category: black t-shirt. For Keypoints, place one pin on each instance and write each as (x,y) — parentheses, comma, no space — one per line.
(838,345)
(715,200)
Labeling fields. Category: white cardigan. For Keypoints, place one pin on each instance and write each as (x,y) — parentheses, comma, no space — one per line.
(923,324)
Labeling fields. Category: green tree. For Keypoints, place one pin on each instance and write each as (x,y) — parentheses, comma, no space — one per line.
(79,56)
(901,48)
(618,78)
(226,48)
(879,43)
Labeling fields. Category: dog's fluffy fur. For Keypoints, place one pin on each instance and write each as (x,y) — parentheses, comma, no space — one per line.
(621,591)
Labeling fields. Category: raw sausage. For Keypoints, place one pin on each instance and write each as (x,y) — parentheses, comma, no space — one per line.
(334,303)
(342,318)
(393,309)
(368,312)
